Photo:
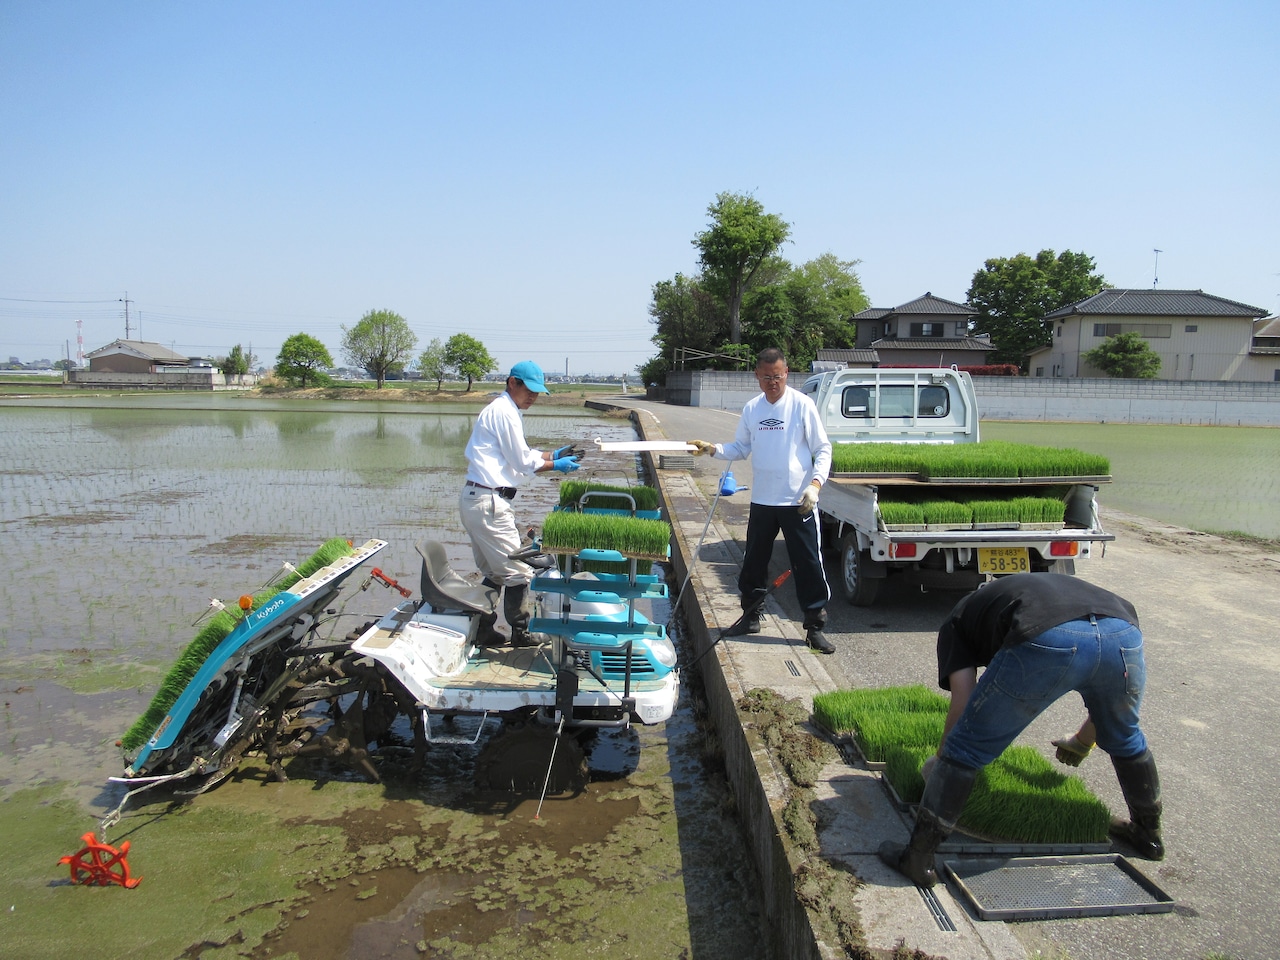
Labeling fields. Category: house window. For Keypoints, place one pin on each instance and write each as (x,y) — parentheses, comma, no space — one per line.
(1059,329)
(1191,328)
(1276,376)
(927,330)
(962,327)
(1040,370)
(1148,331)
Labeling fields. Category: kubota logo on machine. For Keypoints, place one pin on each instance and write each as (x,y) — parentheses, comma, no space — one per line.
(272,608)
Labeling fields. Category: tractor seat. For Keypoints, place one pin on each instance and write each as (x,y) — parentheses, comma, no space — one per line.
(445,590)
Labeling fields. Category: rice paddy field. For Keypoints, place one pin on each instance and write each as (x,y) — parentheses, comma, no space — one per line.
(1215,479)
(123,518)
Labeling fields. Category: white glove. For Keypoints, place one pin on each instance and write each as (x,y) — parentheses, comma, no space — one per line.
(808,500)
(702,448)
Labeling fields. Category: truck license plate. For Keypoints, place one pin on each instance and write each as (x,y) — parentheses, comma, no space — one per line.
(1003,560)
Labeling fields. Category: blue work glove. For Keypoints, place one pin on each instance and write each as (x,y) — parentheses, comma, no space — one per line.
(565,464)
(562,452)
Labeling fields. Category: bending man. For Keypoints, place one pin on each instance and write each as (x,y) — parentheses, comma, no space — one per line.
(1040,635)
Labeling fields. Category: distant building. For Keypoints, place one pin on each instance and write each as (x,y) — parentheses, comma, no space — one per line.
(928,331)
(134,356)
(1196,335)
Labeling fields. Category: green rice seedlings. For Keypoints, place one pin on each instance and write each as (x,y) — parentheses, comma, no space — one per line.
(1040,509)
(994,511)
(569,532)
(1022,797)
(213,633)
(895,458)
(571,491)
(901,512)
(966,460)
(840,710)
(949,513)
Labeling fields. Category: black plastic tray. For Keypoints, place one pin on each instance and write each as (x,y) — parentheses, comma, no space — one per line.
(1039,888)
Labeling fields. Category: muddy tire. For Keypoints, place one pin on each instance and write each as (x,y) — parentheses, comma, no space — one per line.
(518,758)
(860,589)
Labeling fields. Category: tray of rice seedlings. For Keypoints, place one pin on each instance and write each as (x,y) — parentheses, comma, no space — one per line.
(213,633)
(1057,464)
(994,514)
(594,496)
(947,515)
(875,460)
(1040,513)
(1019,798)
(967,462)
(567,532)
(901,514)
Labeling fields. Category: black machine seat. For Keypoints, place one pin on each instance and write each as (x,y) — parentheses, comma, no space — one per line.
(445,590)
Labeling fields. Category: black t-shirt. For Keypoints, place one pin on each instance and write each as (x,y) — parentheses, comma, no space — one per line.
(1017,608)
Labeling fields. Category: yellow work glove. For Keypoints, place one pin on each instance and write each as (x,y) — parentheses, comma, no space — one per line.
(808,499)
(702,448)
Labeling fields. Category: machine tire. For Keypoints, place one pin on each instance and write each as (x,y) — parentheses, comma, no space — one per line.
(860,589)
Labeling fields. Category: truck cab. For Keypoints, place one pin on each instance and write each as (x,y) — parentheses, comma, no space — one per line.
(918,405)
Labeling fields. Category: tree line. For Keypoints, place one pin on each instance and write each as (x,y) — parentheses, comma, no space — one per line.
(746,297)
(381,343)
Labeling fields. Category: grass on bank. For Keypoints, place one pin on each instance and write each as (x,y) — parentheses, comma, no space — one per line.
(1020,797)
(213,633)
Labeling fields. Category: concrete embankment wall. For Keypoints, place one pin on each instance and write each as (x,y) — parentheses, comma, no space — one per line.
(758,787)
(1201,402)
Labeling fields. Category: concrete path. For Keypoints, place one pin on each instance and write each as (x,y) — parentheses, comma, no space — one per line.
(1211,616)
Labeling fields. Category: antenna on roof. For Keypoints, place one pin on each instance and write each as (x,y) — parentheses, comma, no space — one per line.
(1156,276)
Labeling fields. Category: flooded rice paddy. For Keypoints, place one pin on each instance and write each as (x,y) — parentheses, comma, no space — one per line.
(122,523)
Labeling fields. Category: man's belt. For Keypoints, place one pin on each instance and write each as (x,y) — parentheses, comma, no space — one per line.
(506,493)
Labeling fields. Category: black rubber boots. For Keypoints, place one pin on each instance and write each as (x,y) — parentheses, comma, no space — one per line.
(516,607)
(945,793)
(1140,784)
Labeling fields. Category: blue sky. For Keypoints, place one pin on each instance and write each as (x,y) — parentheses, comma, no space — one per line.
(525,172)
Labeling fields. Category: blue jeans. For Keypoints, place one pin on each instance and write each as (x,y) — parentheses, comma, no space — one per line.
(1099,658)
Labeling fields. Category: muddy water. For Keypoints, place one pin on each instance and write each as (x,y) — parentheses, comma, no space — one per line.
(121,523)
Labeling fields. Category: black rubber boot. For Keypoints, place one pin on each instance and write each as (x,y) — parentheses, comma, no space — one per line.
(944,797)
(752,608)
(1140,784)
(487,634)
(814,622)
(515,606)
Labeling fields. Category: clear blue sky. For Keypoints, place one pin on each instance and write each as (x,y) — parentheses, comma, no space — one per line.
(525,172)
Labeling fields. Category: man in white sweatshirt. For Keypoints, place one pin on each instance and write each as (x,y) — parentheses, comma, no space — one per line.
(790,460)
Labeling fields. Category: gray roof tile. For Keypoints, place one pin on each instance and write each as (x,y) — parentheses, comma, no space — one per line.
(1156,303)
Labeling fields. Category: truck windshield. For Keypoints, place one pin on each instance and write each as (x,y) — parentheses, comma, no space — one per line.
(896,400)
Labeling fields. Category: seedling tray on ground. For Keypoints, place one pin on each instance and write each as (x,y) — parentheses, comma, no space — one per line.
(1041,888)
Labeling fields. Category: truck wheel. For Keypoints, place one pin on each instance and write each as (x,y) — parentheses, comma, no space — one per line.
(859,589)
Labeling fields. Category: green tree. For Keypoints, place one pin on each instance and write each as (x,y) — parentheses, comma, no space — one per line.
(469,357)
(1011,296)
(432,364)
(236,363)
(739,240)
(381,342)
(300,359)
(1124,355)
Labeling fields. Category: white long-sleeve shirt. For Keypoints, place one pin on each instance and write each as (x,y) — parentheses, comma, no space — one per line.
(787,444)
(497,454)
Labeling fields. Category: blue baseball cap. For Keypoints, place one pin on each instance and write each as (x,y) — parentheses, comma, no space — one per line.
(530,374)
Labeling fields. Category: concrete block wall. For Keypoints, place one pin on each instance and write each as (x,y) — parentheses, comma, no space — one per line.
(1202,402)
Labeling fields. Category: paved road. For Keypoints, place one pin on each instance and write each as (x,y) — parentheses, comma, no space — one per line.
(1210,612)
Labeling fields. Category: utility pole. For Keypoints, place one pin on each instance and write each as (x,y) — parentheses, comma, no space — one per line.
(126,301)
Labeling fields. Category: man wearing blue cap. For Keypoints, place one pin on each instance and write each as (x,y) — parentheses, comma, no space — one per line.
(497,457)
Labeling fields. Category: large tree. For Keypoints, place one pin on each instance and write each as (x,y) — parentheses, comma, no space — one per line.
(301,357)
(1011,296)
(432,364)
(1124,355)
(381,342)
(469,357)
(687,316)
(739,240)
